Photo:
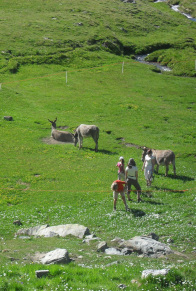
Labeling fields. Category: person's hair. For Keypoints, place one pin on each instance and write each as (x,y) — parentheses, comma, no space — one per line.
(149,151)
(131,163)
(123,161)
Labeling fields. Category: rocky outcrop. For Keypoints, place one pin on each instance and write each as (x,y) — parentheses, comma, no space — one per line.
(60,230)
(146,246)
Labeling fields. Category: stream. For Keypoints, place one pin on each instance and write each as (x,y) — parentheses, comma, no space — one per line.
(141,59)
(176,8)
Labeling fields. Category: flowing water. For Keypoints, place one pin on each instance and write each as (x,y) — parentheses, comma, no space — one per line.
(141,59)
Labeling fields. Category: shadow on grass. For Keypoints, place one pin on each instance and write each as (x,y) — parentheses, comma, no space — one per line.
(177,177)
(137,212)
(169,190)
(105,152)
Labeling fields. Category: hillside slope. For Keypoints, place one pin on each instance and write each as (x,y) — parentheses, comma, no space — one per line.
(71,32)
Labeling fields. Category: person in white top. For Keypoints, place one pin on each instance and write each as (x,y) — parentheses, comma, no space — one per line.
(131,177)
(148,167)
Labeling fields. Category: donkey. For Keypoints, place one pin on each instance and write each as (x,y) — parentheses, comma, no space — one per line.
(63,136)
(162,157)
(84,130)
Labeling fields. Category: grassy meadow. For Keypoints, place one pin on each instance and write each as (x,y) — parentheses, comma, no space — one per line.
(44,183)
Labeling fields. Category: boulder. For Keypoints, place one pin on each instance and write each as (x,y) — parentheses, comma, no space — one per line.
(58,256)
(41,273)
(102,246)
(60,230)
(8,118)
(162,272)
(146,246)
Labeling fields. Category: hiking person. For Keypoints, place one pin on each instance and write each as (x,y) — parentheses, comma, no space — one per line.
(119,188)
(148,167)
(121,169)
(131,177)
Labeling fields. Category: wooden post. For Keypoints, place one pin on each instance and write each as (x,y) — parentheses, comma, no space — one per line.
(66,77)
(123,67)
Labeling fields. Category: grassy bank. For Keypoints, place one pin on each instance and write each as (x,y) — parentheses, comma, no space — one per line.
(67,32)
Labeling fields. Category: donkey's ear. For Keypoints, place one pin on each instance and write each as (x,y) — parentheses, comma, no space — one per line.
(49,120)
(55,119)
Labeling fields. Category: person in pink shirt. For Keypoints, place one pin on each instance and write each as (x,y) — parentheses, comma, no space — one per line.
(117,187)
(121,169)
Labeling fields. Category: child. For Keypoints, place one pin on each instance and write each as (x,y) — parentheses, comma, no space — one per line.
(121,169)
(118,187)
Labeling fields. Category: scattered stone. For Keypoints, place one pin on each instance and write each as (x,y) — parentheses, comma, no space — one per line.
(126,251)
(8,118)
(5,251)
(117,240)
(146,273)
(122,286)
(102,246)
(89,238)
(113,251)
(169,240)
(24,237)
(153,236)
(134,281)
(17,222)
(113,263)
(146,246)
(41,273)
(58,256)
(60,230)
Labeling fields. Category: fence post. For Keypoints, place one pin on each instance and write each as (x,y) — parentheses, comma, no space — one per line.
(123,67)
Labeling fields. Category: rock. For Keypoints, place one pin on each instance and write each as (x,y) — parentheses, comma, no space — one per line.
(89,238)
(41,273)
(146,246)
(58,256)
(113,251)
(117,240)
(122,286)
(59,230)
(17,222)
(170,240)
(162,272)
(24,237)
(153,236)
(113,263)
(102,246)
(126,251)
(8,118)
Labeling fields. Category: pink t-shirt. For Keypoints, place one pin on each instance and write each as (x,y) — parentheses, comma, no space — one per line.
(121,168)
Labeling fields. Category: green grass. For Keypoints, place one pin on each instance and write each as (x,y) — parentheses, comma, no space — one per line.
(57,184)
(74,32)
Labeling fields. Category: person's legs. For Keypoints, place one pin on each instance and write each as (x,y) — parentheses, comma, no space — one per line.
(124,200)
(138,188)
(128,189)
(115,198)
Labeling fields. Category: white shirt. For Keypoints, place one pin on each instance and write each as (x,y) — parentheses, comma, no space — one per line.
(131,172)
